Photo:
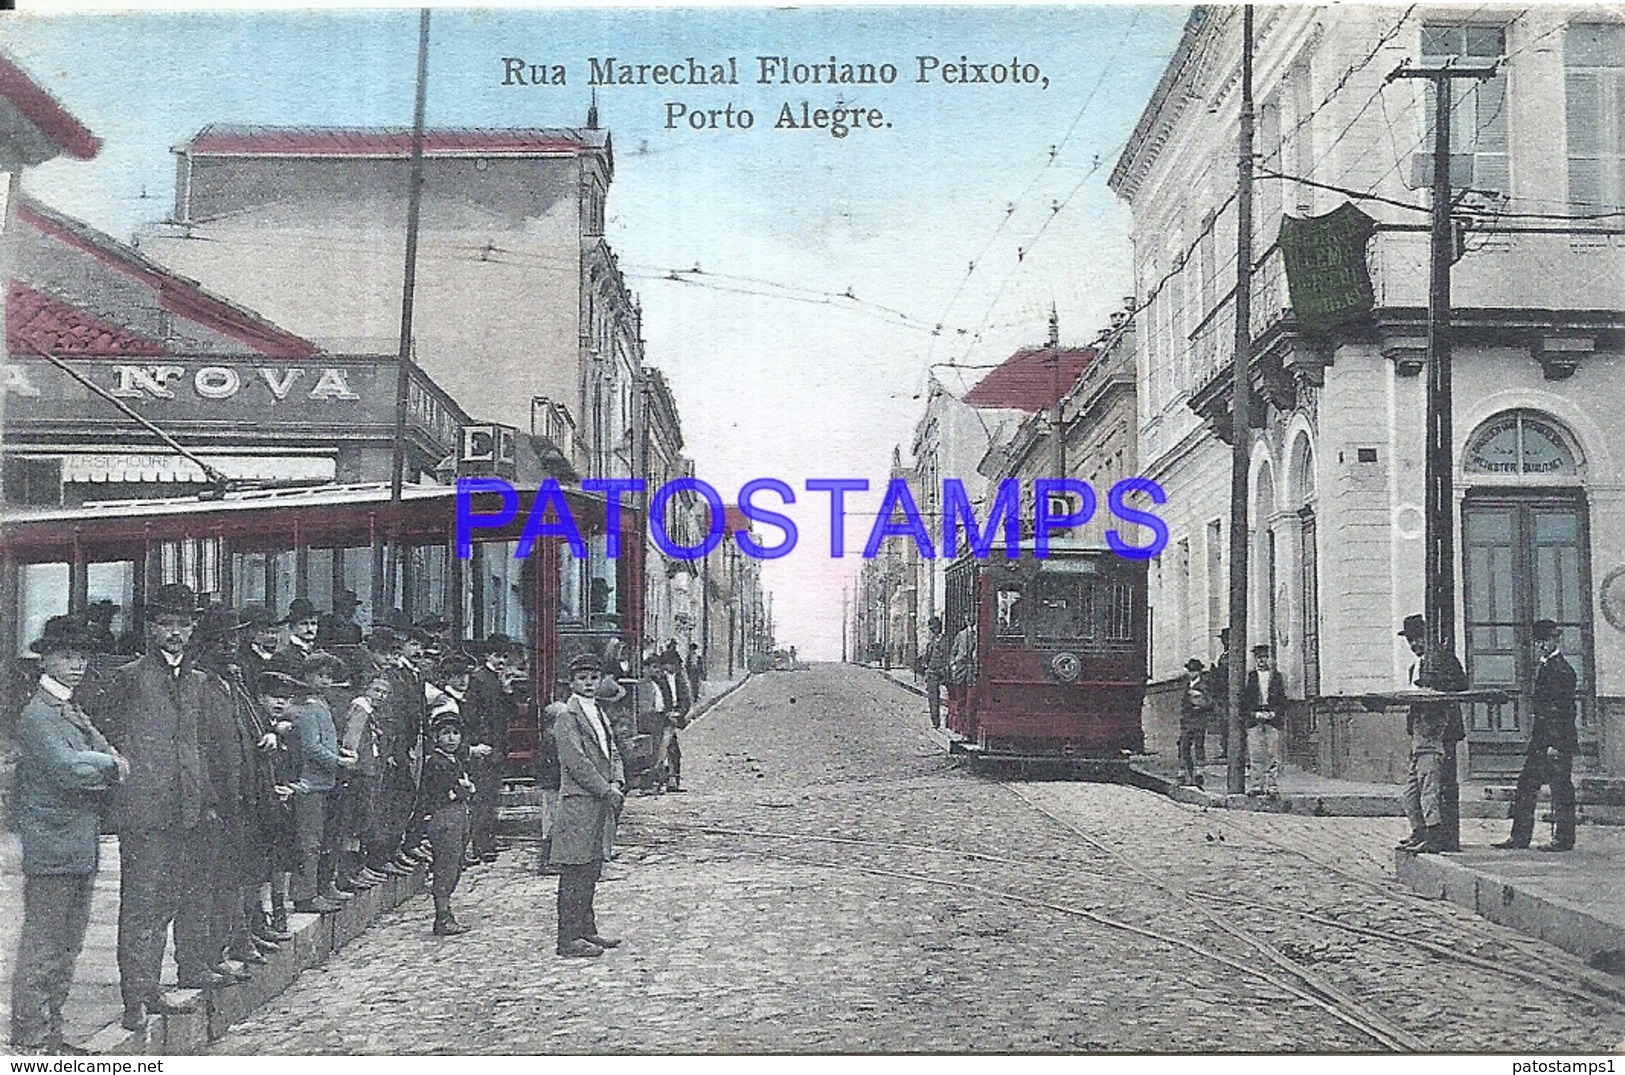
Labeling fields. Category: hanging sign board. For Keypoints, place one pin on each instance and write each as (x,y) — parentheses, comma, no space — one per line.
(1326,271)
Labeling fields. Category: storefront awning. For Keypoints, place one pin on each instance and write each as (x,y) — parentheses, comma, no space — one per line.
(156,467)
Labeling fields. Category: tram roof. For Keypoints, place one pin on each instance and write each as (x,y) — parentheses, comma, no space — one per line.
(246,500)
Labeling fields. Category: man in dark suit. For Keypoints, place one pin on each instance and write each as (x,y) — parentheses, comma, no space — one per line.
(1553,742)
(592,787)
(150,711)
(485,719)
(1263,703)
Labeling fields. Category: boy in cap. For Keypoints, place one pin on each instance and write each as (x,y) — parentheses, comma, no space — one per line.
(592,782)
(1263,700)
(64,768)
(321,759)
(1553,742)
(1195,709)
(1430,725)
(446,794)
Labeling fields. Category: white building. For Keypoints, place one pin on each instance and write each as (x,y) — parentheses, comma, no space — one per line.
(1337,455)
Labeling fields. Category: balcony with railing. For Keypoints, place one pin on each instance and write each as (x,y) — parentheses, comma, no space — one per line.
(1558,292)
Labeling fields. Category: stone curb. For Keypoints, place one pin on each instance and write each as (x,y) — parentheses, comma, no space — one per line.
(705,704)
(1306,803)
(315,938)
(1574,929)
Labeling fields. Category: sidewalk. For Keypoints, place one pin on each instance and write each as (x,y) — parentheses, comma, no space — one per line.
(1573,900)
(91,1016)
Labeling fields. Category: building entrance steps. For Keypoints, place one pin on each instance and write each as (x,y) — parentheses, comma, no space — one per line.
(1571,899)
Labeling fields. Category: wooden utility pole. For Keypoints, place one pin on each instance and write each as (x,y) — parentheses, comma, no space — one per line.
(1241,422)
(1439,508)
(844,598)
(403,370)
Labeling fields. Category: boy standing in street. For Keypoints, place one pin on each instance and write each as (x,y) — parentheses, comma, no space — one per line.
(592,780)
(446,794)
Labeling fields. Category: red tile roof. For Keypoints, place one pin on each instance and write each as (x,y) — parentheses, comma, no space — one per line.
(42,111)
(221,140)
(1029,379)
(37,324)
(174,293)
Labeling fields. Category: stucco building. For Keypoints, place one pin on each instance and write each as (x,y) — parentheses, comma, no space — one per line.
(1335,511)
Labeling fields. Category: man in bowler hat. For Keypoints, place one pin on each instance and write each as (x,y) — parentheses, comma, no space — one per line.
(150,711)
(591,790)
(64,769)
(1552,744)
(1263,703)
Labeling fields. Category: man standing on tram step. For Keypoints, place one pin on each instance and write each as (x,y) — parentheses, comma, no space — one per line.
(150,711)
(591,789)
(485,722)
(935,663)
(64,767)
(228,744)
(1430,725)
(1263,700)
(1553,742)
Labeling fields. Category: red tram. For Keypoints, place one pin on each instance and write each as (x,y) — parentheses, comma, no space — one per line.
(273,546)
(1059,654)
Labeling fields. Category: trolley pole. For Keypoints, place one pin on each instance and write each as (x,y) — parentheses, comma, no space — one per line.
(1241,422)
(403,370)
(1439,571)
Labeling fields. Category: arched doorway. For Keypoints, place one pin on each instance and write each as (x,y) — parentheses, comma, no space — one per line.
(1525,557)
(1308,604)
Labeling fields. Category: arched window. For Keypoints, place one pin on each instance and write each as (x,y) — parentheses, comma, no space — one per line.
(1521,444)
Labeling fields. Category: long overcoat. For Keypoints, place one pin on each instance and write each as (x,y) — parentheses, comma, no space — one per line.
(63,768)
(150,714)
(586,775)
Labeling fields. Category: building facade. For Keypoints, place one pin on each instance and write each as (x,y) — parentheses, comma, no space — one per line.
(1336,493)
(521,312)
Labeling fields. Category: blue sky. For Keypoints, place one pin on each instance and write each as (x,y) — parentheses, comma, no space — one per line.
(791,381)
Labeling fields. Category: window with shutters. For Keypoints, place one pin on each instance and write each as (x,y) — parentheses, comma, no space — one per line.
(1478,120)
(1594,92)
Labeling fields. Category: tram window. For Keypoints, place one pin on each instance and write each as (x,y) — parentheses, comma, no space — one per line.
(248,578)
(284,569)
(42,592)
(1119,612)
(194,561)
(603,600)
(1009,614)
(570,603)
(428,584)
(356,574)
(1057,608)
(112,584)
(319,578)
(503,592)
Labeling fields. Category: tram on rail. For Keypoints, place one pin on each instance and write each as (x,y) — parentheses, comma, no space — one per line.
(1058,654)
(273,546)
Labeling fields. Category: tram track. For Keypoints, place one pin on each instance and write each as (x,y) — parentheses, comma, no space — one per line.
(1290,976)
(1562,970)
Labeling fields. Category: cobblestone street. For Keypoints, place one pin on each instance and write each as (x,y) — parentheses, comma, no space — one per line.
(834,883)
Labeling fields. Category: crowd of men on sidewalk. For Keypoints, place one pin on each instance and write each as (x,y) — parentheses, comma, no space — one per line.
(254,765)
